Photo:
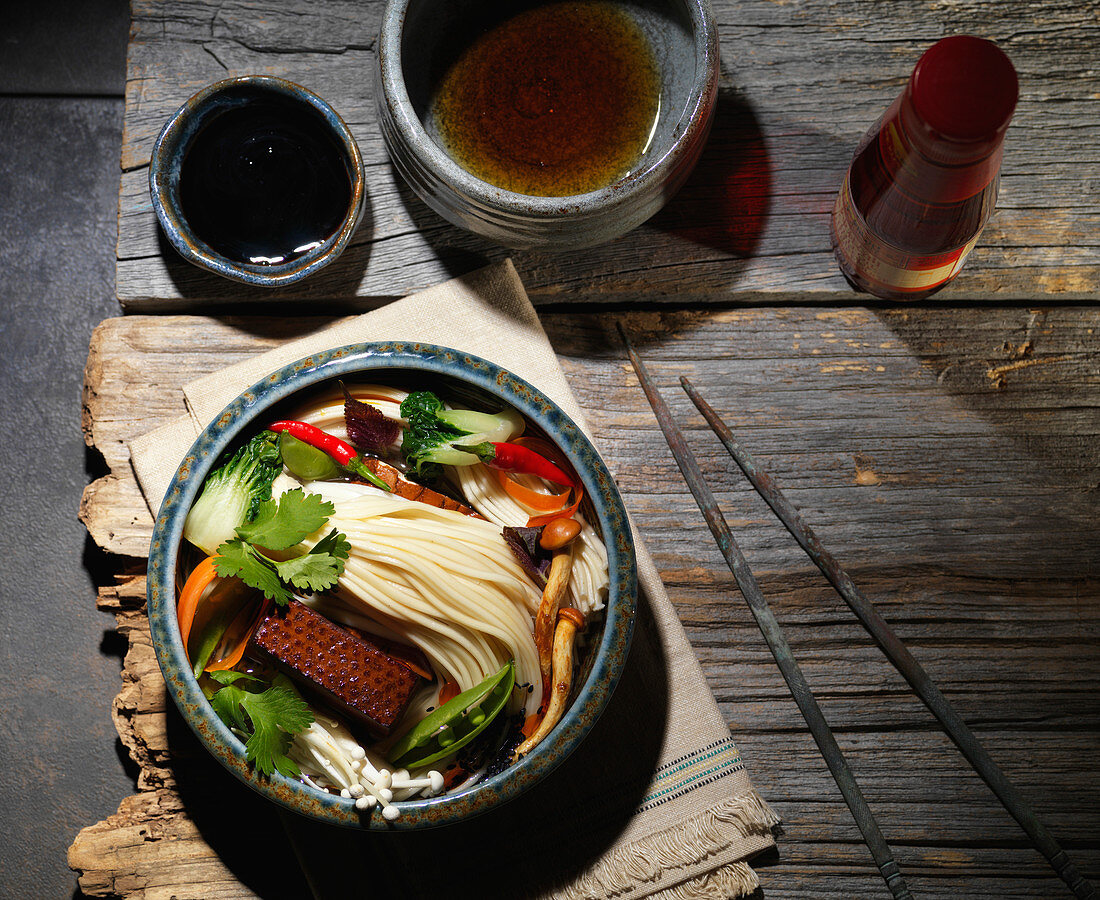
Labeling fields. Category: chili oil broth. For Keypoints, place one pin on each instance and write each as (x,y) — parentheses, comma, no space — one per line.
(557,100)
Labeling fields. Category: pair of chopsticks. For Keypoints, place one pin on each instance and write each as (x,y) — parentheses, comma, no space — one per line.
(891,645)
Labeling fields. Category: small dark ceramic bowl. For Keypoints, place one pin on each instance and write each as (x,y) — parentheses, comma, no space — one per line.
(177,136)
(415,34)
(447,370)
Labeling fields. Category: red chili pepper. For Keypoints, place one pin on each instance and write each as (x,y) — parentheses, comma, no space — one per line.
(341,451)
(514,458)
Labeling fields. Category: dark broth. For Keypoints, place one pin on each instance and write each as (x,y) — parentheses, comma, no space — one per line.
(558,100)
(265,182)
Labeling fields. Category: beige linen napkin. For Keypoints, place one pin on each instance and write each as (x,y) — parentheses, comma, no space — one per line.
(656,802)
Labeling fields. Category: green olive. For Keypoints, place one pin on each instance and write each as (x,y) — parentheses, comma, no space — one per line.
(306,462)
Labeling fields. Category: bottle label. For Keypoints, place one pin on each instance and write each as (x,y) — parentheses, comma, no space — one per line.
(883,264)
(896,151)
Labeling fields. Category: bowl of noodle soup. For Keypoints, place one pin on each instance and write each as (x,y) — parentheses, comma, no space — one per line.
(425,585)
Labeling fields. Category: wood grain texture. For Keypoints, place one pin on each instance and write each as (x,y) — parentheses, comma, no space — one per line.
(948,456)
(800,84)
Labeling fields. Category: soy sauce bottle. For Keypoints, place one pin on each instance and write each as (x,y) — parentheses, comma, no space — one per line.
(923,181)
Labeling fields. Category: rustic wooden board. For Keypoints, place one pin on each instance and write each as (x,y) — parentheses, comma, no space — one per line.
(800,84)
(948,455)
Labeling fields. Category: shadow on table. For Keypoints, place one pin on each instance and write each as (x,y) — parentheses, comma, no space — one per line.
(330,289)
(726,200)
(1024,377)
(723,205)
(546,837)
(243,828)
(1018,366)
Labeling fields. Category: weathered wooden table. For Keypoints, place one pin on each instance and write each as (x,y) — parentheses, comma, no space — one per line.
(947,452)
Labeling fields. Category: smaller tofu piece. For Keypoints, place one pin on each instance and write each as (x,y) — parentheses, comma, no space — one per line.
(410,490)
(346,669)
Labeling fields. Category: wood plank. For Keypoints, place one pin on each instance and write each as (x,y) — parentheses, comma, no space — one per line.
(948,455)
(800,84)
(831,399)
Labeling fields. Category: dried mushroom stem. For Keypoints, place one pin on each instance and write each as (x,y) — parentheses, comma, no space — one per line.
(557,583)
(569,621)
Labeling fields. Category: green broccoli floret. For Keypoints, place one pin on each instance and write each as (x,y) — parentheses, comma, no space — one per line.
(433,431)
(233,493)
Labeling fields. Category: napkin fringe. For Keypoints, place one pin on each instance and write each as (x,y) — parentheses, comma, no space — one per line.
(729,882)
(686,844)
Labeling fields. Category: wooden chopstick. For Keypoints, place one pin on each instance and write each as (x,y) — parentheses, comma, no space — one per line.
(773,634)
(896,652)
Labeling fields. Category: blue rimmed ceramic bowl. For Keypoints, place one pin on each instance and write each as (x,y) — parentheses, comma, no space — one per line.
(234,94)
(409,364)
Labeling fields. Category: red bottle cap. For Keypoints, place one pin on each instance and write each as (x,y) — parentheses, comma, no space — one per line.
(963,92)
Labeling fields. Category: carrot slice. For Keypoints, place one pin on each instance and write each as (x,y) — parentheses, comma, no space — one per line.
(453,776)
(548,506)
(236,637)
(449,691)
(193,589)
(532,499)
(567,513)
(531,724)
(555,455)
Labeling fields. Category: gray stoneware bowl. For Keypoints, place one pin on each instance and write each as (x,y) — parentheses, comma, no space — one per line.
(684,38)
(420,364)
(171,147)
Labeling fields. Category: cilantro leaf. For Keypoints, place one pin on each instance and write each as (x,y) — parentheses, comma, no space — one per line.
(312,572)
(232,676)
(268,718)
(227,704)
(277,715)
(279,526)
(335,543)
(236,558)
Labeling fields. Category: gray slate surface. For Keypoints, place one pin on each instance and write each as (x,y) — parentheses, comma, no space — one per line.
(61,78)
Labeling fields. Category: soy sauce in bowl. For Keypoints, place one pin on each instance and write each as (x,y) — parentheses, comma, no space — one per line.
(264,181)
(259,180)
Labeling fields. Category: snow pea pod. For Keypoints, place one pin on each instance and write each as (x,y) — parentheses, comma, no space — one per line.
(457,722)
